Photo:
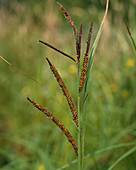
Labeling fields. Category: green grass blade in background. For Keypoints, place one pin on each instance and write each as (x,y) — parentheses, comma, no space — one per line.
(18,70)
(99,152)
(91,58)
(129,32)
(90,62)
(123,157)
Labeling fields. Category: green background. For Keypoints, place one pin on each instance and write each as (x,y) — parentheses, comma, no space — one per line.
(28,140)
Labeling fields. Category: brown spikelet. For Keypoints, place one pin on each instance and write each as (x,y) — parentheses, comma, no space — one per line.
(58,123)
(67,16)
(83,73)
(54,48)
(65,91)
(79,44)
(89,39)
(85,62)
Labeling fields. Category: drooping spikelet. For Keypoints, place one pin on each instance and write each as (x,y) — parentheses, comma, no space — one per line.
(54,48)
(67,16)
(58,123)
(65,91)
(85,61)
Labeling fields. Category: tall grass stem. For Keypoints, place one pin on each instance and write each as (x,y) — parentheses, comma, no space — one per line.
(80,160)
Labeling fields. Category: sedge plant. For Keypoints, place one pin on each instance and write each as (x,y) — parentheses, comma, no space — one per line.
(83,73)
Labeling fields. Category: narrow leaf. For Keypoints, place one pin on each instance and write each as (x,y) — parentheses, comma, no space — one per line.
(122,157)
(18,69)
(54,48)
(99,152)
(91,57)
(131,36)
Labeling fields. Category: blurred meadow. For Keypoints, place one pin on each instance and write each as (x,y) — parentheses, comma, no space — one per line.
(28,139)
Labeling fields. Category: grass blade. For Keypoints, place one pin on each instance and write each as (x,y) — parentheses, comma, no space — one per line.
(122,157)
(54,48)
(129,32)
(18,70)
(99,152)
(87,72)
(91,58)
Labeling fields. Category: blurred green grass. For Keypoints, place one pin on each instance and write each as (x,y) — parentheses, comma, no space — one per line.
(28,140)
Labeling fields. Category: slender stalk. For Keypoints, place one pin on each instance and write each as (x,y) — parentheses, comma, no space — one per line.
(84,123)
(79,137)
(19,70)
(80,160)
(131,36)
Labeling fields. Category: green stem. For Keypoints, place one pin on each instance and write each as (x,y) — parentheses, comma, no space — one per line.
(79,137)
(84,125)
(80,158)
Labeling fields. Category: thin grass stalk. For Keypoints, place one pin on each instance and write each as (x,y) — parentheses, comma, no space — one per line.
(84,123)
(79,124)
(80,164)
(109,148)
(90,62)
(58,123)
(18,70)
(131,37)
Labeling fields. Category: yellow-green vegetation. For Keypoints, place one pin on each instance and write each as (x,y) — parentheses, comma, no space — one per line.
(28,140)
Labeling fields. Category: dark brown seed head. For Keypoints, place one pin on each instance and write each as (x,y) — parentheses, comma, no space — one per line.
(67,16)
(85,62)
(65,91)
(79,44)
(58,123)
(89,39)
